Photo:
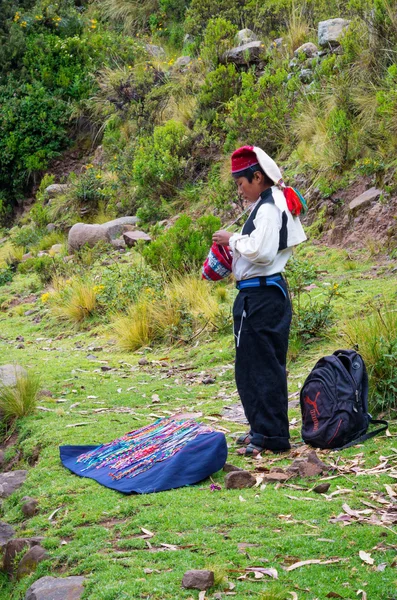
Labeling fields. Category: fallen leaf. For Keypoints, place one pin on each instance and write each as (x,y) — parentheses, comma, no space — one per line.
(390,491)
(314,561)
(202,595)
(147,532)
(366,557)
(242,499)
(381,567)
(294,595)
(261,571)
(364,594)
(155,398)
(92,397)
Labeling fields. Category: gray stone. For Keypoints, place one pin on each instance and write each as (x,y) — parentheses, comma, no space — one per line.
(11,481)
(276,44)
(14,547)
(364,199)
(116,227)
(155,51)
(306,75)
(1,458)
(245,54)
(276,477)
(82,234)
(228,468)
(30,507)
(188,39)
(198,580)
(56,189)
(309,50)
(6,533)
(30,560)
(56,588)
(131,237)
(26,256)
(118,243)
(245,36)
(56,249)
(237,480)
(182,61)
(51,227)
(321,488)
(10,373)
(330,31)
(42,253)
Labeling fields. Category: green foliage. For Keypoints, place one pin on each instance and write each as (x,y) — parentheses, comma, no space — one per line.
(219,87)
(6,275)
(183,247)
(218,38)
(159,165)
(26,237)
(375,336)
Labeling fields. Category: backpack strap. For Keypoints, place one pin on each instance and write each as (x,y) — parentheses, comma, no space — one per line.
(367,436)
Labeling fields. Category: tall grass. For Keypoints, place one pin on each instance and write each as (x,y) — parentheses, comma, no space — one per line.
(376,339)
(186,307)
(76,302)
(20,399)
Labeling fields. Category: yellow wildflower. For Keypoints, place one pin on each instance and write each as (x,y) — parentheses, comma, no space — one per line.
(23,24)
(45,297)
(97,289)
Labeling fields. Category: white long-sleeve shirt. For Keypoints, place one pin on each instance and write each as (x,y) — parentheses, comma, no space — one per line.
(257,254)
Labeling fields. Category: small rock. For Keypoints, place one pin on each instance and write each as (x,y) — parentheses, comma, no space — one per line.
(6,533)
(143,361)
(11,481)
(188,39)
(11,549)
(198,580)
(131,237)
(105,368)
(26,256)
(244,36)
(276,477)
(237,480)
(46,393)
(20,347)
(51,227)
(306,75)
(330,31)
(27,313)
(19,338)
(245,54)
(91,357)
(208,380)
(118,244)
(30,507)
(56,588)
(55,249)
(30,561)
(309,50)
(155,51)
(322,488)
(56,189)
(364,199)
(182,62)
(228,468)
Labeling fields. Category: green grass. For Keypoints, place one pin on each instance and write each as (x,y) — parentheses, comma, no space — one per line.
(102,528)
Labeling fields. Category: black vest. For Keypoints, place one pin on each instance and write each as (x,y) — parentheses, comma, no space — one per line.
(249,227)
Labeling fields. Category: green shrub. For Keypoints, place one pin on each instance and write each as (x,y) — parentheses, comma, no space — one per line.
(26,237)
(218,37)
(6,275)
(184,247)
(159,166)
(219,87)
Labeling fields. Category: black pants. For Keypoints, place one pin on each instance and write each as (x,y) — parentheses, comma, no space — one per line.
(262,318)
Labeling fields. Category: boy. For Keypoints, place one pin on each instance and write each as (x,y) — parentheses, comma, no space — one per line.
(262,309)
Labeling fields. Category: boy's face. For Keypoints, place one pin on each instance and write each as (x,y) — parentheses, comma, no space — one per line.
(250,192)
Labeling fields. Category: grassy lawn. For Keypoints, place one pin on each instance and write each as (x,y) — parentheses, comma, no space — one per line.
(98,533)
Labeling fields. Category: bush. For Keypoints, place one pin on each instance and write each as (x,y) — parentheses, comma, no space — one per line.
(6,275)
(159,165)
(20,399)
(184,247)
(219,37)
(26,237)
(375,337)
(76,302)
(219,87)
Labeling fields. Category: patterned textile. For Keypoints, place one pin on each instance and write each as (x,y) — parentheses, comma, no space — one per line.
(218,263)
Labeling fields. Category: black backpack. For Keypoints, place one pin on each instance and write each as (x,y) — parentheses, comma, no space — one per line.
(334,402)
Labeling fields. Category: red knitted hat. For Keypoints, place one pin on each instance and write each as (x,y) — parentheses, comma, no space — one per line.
(243,158)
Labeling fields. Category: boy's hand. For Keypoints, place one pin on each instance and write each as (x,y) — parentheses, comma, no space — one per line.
(222,237)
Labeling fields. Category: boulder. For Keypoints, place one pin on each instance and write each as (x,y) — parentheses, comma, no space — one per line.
(276,44)
(237,480)
(245,54)
(131,237)
(330,31)
(155,51)
(198,580)
(182,62)
(364,199)
(116,227)
(30,560)
(56,588)
(56,189)
(309,50)
(119,244)
(81,234)
(6,533)
(10,373)
(11,481)
(245,36)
